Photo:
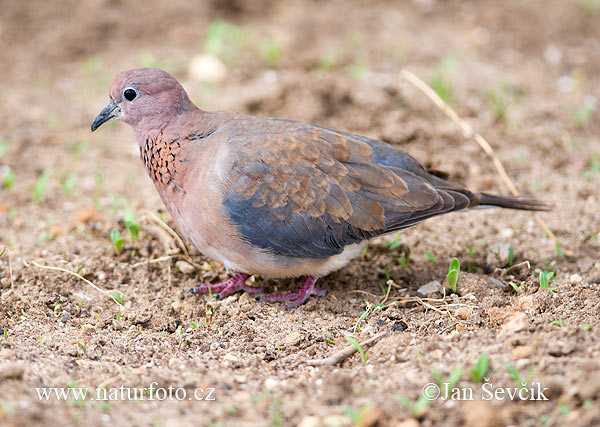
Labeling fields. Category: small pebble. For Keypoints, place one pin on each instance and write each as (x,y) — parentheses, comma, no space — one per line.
(65,317)
(185,267)
(516,323)
(430,288)
(462,313)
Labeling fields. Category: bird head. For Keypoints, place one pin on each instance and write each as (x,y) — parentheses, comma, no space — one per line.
(144,96)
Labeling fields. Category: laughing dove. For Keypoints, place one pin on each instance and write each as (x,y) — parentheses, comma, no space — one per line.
(272,197)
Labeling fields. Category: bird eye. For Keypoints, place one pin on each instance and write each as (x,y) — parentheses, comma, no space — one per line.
(129,94)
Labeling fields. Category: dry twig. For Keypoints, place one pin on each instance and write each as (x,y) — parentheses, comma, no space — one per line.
(469,133)
(64,270)
(345,353)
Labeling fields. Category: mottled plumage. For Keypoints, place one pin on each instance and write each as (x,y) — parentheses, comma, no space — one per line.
(276,197)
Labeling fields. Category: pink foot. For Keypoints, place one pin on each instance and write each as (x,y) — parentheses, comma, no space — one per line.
(298,297)
(235,284)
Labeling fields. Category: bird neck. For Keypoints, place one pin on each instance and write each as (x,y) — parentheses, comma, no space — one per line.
(164,148)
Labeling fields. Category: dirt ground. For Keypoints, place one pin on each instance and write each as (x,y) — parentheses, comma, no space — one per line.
(526,74)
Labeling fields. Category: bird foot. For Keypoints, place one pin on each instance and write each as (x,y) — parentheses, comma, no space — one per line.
(298,297)
(226,288)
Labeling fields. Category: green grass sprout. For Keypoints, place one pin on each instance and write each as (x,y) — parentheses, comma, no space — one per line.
(363,354)
(40,187)
(117,240)
(69,183)
(545,278)
(453,273)
(511,256)
(431,257)
(131,225)
(8,178)
(481,368)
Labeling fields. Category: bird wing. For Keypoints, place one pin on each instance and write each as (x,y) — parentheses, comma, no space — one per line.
(306,191)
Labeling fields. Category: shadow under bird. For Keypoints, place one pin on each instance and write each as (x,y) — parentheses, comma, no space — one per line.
(272,197)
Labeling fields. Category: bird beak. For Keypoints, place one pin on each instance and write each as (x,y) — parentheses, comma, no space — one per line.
(105,115)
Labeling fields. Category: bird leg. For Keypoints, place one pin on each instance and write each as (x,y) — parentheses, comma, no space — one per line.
(235,284)
(298,297)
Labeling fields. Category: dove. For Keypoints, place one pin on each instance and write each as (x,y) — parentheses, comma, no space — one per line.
(273,197)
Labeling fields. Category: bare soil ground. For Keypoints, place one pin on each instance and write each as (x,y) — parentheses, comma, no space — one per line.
(525,74)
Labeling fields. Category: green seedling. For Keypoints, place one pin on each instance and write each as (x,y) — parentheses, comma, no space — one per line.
(4,146)
(440,86)
(481,368)
(69,183)
(517,377)
(472,268)
(584,114)
(587,327)
(511,256)
(224,40)
(391,245)
(438,78)
(417,408)
(452,380)
(357,416)
(8,178)
(99,179)
(363,354)
(117,296)
(364,251)
(545,278)
(593,170)
(117,240)
(589,6)
(54,121)
(326,62)
(92,64)
(453,273)
(403,261)
(430,256)
(211,295)
(471,250)
(40,187)
(516,287)
(384,288)
(329,341)
(559,251)
(131,225)
(499,101)
(357,70)
(270,52)
(368,310)
(557,322)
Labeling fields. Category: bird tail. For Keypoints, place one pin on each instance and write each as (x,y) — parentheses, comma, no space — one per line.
(483,200)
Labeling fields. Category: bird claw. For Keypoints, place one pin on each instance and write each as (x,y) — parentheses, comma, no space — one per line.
(241,287)
(234,284)
(298,297)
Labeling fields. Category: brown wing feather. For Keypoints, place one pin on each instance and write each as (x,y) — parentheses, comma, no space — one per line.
(302,190)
